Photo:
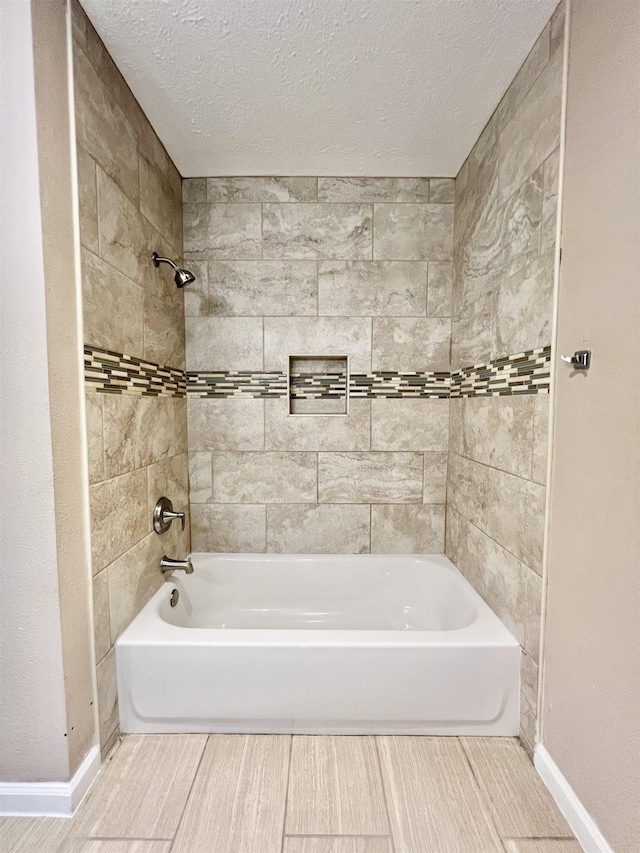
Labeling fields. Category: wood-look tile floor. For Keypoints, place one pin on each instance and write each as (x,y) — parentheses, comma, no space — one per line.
(282,794)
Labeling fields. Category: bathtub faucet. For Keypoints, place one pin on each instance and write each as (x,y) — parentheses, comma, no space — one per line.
(167,564)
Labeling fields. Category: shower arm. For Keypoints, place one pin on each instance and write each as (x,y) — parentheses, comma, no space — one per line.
(157,260)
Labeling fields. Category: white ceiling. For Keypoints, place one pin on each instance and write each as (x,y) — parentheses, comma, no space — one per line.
(319,87)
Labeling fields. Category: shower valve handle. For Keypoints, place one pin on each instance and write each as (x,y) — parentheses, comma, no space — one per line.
(163,515)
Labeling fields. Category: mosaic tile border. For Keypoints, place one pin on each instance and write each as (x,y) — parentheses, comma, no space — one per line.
(109,372)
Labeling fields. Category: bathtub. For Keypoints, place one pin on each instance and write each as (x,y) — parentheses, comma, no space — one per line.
(334,644)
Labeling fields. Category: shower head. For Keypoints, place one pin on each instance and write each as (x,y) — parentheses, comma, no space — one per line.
(181,277)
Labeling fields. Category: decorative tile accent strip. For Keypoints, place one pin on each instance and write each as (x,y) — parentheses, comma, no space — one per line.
(114,373)
(525,373)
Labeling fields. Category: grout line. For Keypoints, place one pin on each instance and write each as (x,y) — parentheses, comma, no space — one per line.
(286,794)
(384,794)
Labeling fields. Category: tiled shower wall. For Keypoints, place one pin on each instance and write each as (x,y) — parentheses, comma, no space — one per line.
(317,266)
(130,205)
(504,240)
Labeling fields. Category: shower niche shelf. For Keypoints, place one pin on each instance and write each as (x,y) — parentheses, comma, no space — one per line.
(318,384)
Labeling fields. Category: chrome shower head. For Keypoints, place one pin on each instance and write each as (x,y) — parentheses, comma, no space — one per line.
(181,277)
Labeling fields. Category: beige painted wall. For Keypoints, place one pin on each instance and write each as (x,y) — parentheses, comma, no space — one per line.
(590,708)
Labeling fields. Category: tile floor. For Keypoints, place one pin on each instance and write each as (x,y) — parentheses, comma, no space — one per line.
(282,794)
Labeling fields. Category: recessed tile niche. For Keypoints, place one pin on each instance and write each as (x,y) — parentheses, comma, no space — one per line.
(318,384)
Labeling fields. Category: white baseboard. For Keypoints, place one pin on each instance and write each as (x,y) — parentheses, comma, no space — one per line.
(57,799)
(582,824)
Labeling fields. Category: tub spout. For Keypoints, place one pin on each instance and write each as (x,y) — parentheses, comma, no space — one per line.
(167,564)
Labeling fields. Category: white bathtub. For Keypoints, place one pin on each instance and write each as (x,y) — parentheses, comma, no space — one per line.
(319,644)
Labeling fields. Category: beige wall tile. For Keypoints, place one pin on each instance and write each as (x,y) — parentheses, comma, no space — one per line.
(367,288)
(88,200)
(557,27)
(435,478)
(238,799)
(123,803)
(407,529)
(284,336)
(339,844)
(286,432)
(370,477)
(200,477)
(194,190)
(107,695)
(335,788)
(196,294)
(133,579)
(95,445)
(520,803)
(540,438)
(119,516)
(160,203)
(451,535)
(228,528)
(169,478)
(515,516)
(164,332)
(261,189)
(419,424)
(373,189)
(102,630)
(549,201)
(224,343)
(529,676)
(521,84)
(498,432)
(112,307)
(221,231)
(277,288)
(338,231)
(413,232)
(264,477)
(318,529)
(434,803)
(440,289)
(227,424)
(442,190)
(137,431)
(409,344)
(524,308)
(467,489)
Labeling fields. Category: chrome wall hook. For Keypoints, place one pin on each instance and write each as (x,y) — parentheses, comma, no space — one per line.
(581,359)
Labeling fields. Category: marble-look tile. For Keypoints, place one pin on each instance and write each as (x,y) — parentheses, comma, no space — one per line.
(95,443)
(137,431)
(440,289)
(194,190)
(366,288)
(451,535)
(498,432)
(505,583)
(413,232)
(275,288)
(328,406)
(227,424)
(515,516)
(534,607)
(527,723)
(87,200)
(119,516)
(540,438)
(337,231)
(442,190)
(549,201)
(133,579)
(78,25)
(373,189)
(319,529)
(411,343)
(164,330)
(200,478)
(370,477)
(472,333)
(112,307)
(533,131)
(455,426)
(169,478)
(101,626)
(557,28)
(524,308)
(233,189)
(180,420)
(222,231)
(246,477)
(160,203)
(228,528)
(434,489)
(407,529)
(467,489)
(477,195)
(322,432)
(107,695)
(102,128)
(418,424)
(529,72)
(196,295)
(529,678)
(284,336)
(224,343)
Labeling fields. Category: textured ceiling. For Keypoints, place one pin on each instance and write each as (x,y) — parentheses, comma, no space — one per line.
(319,87)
